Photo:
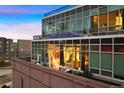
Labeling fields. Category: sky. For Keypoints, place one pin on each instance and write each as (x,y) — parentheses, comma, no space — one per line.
(22,21)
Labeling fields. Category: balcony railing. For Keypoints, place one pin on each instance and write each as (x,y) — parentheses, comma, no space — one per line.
(111,30)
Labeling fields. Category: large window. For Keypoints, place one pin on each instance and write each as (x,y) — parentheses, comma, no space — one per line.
(76,57)
(102,22)
(53,55)
(68,56)
(119,58)
(94,23)
(106,57)
(115,20)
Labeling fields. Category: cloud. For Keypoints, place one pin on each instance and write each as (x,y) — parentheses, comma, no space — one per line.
(20,31)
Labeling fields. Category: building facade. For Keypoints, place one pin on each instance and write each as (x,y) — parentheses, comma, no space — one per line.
(88,37)
(24,48)
(5,49)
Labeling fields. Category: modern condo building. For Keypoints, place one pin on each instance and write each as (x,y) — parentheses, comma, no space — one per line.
(87,37)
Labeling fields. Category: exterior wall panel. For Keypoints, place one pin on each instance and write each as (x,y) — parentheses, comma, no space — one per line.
(43,77)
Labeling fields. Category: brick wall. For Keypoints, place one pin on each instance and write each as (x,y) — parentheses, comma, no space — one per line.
(30,75)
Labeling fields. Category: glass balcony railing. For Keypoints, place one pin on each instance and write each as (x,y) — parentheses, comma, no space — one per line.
(111,30)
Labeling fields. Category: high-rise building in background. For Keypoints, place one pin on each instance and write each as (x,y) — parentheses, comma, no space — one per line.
(5,49)
(24,48)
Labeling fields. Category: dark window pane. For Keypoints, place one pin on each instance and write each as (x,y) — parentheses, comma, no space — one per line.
(56,42)
(119,40)
(101,5)
(119,48)
(76,42)
(62,15)
(106,73)
(94,47)
(85,41)
(106,41)
(58,16)
(94,71)
(62,42)
(73,12)
(51,42)
(94,41)
(69,42)
(94,6)
(79,10)
(85,8)
(68,13)
(106,48)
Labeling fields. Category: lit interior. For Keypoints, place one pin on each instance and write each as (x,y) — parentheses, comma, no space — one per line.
(53,56)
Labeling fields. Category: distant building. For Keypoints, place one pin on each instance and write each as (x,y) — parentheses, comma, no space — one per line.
(24,48)
(5,49)
(14,49)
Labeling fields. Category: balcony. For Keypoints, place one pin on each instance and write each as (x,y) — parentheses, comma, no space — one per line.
(111,30)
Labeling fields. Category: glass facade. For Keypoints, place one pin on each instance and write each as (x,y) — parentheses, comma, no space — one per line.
(103,56)
(99,55)
(86,19)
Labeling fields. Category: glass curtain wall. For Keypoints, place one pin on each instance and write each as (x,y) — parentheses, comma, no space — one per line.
(92,18)
(106,57)
(102,56)
(119,58)
(94,56)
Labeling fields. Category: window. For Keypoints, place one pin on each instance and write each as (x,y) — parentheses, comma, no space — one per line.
(85,8)
(103,22)
(79,24)
(106,41)
(76,57)
(84,57)
(103,10)
(119,65)
(94,23)
(94,59)
(115,20)
(68,56)
(79,10)
(106,61)
(7,42)
(94,47)
(119,48)
(53,56)
(106,48)
(119,40)
(94,41)
(86,24)
(94,6)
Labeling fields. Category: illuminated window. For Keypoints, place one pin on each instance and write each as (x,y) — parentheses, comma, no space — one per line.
(84,58)
(53,56)
(103,22)
(76,57)
(115,20)
(94,23)
(68,56)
